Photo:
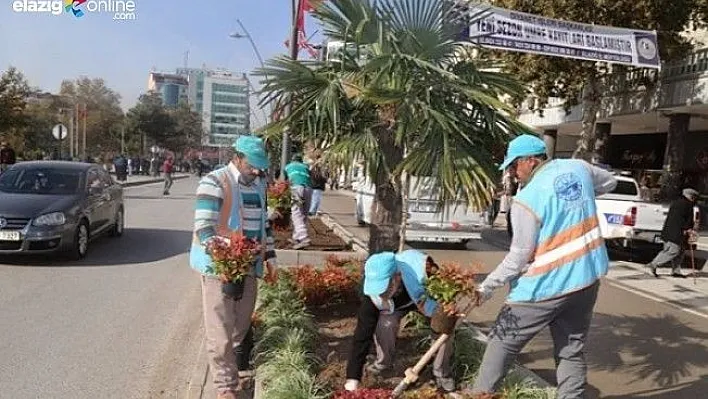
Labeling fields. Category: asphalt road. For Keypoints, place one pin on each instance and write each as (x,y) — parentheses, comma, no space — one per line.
(638,348)
(122,323)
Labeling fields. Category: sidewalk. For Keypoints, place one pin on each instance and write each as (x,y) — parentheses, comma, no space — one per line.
(137,180)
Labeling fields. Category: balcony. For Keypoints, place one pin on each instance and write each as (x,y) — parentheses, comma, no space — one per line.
(682,87)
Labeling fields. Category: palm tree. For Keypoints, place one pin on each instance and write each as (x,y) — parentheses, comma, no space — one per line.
(402,83)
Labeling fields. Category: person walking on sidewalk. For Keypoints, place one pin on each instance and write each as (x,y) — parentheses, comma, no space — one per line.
(231,199)
(167,169)
(301,190)
(555,262)
(678,227)
(393,286)
(318,176)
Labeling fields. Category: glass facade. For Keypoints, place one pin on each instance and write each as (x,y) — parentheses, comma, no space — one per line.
(222,99)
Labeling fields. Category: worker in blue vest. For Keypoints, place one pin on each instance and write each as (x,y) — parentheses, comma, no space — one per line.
(554,265)
(393,286)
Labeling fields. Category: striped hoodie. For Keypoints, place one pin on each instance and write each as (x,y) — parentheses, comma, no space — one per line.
(225,205)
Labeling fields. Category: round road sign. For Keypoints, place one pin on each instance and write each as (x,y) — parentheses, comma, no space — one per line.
(59,132)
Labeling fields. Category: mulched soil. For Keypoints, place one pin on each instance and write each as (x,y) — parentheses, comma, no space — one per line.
(336,324)
(323,239)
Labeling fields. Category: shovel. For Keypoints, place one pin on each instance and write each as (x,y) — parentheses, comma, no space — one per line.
(412,374)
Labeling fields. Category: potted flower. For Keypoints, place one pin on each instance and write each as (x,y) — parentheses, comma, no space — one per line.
(449,284)
(232,258)
(280,201)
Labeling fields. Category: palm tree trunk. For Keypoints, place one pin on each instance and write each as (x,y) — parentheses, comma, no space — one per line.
(386,212)
(591,106)
(404,212)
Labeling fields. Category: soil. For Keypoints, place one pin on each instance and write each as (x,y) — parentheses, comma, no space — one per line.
(322,238)
(336,324)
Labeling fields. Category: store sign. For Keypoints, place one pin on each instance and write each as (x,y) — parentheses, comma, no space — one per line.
(503,29)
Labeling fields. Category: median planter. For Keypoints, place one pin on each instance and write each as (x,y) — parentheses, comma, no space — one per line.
(305,325)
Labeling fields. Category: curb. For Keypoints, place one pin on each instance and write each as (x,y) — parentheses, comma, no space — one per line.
(294,257)
(151,181)
(200,372)
(358,245)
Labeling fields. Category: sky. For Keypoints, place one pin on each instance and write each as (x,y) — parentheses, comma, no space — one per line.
(50,48)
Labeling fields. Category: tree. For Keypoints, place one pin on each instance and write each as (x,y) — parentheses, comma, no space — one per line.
(575,81)
(104,115)
(150,122)
(41,117)
(188,129)
(14,91)
(403,84)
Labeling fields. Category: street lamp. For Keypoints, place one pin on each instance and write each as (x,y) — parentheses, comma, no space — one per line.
(246,35)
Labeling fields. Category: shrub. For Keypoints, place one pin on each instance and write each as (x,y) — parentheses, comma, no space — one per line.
(338,282)
(449,284)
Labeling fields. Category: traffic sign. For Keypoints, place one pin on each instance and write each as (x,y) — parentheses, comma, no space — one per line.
(59,132)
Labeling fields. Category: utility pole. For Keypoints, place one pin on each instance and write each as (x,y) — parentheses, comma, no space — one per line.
(83,152)
(285,151)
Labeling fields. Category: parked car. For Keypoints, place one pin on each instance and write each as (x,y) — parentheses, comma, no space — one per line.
(57,206)
(626,220)
(428,219)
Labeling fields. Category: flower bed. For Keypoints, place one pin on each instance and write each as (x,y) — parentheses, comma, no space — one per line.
(321,236)
(304,336)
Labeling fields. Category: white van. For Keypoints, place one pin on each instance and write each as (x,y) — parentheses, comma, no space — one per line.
(428,220)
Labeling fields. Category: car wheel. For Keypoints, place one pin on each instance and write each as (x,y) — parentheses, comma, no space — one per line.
(81,241)
(119,225)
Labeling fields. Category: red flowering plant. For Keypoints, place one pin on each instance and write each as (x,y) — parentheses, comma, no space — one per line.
(280,201)
(232,257)
(448,285)
(338,282)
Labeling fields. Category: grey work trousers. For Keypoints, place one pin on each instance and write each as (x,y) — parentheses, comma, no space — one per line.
(569,320)
(385,342)
(226,323)
(673,253)
(168,182)
(300,208)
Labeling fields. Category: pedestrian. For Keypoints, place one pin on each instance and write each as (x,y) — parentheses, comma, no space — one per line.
(120,164)
(554,265)
(318,177)
(678,227)
(231,199)
(301,191)
(167,169)
(510,186)
(7,156)
(393,286)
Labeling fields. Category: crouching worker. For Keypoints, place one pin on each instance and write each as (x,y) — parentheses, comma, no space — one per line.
(393,286)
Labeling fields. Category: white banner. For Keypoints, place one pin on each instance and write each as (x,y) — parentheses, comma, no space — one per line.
(502,29)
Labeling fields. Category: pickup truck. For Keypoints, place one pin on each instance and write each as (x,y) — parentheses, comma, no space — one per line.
(628,220)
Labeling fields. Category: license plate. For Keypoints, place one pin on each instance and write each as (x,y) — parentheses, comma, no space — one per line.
(426,208)
(614,219)
(10,236)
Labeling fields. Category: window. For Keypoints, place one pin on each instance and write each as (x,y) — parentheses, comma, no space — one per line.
(106,178)
(625,188)
(43,181)
(93,179)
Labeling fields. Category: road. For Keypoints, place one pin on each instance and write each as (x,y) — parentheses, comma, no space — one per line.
(637,347)
(122,323)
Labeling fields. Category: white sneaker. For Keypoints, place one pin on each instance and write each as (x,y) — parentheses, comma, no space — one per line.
(351,385)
